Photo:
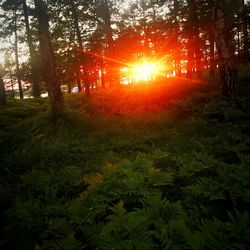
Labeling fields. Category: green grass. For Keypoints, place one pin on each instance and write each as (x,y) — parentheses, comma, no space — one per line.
(138,168)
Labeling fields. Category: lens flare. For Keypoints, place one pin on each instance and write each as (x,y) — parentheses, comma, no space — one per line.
(142,72)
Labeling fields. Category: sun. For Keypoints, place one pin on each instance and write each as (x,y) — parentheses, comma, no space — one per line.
(142,71)
(146,71)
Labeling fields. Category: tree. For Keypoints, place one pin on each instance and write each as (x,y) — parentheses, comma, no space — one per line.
(194,55)
(104,14)
(212,64)
(81,53)
(228,71)
(17,57)
(12,6)
(35,81)
(2,89)
(243,16)
(48,58)
(73,27)
(93,39)
(245,31)
(176,38)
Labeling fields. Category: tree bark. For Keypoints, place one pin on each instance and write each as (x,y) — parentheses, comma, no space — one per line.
(2,91)
(17,58)
(113,67)
(194,53)
(86,83)
(48,58)
(78,80)
(103,80)
(212,64)
(35,82)
(228,70)
(80,45)
(76,25)
(177,51)
(190,58)
(245,32)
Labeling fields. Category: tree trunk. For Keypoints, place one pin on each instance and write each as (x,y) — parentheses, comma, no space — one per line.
(194,53)
(2,91)
(177,51)
(69,87)
(86,83)
(79,41)
(190,42)
(78,80)
(48,58)
(107,23)
(113,67)
(17,58)
(228,71)
(103,82)
(245,32)
(35,82)
(212,64)
(76,25)
(190,56)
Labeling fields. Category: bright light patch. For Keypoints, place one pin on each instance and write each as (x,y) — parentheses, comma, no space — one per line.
(146,71)
(141,72)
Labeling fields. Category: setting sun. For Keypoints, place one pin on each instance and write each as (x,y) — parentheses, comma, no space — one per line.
(145,70)
(140,72)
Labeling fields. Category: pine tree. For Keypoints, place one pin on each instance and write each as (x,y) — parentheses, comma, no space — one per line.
(48,58)
(228,71)
(2,89)
(12,20)
(35,81)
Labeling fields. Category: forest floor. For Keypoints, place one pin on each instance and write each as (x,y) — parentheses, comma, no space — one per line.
(159,166)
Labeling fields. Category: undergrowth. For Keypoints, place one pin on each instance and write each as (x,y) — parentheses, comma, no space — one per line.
(113,172)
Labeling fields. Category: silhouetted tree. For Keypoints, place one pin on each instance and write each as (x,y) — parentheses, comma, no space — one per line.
(12,6)
(34,68)
(2,89)
(48,58)
(194,54)
(228,71)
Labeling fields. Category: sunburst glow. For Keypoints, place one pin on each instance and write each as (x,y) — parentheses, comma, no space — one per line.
(141,72)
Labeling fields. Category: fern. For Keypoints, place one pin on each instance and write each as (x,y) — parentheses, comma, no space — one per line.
(227,235)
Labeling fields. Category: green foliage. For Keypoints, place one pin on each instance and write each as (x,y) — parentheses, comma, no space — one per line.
(126,206)
(176,179)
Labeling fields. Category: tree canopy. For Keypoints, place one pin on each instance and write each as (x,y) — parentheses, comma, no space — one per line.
(96,43)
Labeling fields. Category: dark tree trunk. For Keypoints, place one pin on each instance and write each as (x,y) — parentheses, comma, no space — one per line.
(69,87)
(86,83)
(238,47)
(197,51)
(194,53)
(48,58)
(176,42)
(78,80)
(190,43)
(212,64)
(103,82)
(76,26)
(17,58)
(245,32)
(228,70)
(107,23)
(80,45)
(113,67)
(34,71)
(190,62)
(2,91)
